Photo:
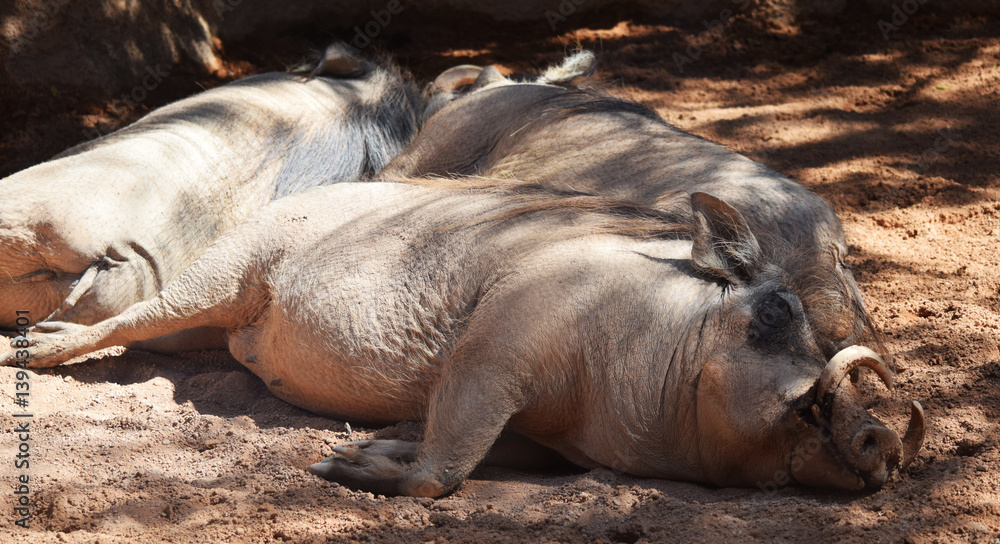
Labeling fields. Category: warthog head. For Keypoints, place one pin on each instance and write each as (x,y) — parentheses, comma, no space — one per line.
(468,78)
(29,281)
(776,400)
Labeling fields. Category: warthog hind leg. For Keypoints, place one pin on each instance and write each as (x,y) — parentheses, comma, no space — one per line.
(216,291)
(53,342)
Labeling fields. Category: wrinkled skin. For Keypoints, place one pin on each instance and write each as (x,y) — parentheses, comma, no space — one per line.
(112,221)
(614,335)
(552,132)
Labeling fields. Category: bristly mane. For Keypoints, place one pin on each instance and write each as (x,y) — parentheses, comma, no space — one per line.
(581,100)
(670,219)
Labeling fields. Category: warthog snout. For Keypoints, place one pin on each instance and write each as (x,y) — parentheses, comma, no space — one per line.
(875,449)
(866,448)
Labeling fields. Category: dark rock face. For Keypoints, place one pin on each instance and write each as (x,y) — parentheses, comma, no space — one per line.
(113,46)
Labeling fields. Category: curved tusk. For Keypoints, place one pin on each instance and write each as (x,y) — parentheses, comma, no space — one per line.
(914,437)
(844,362)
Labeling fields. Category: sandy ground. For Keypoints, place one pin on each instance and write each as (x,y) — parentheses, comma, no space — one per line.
(900,136)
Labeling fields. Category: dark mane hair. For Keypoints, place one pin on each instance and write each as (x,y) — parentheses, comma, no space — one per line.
(581,100)
(670,219)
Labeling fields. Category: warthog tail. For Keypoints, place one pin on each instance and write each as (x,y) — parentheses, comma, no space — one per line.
(574,68)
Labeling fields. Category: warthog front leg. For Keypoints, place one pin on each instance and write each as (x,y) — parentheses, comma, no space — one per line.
(379,465)
(468,410)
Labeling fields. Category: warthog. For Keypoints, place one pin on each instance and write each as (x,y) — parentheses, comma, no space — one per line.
(617,335)
(550,131)
(110,222)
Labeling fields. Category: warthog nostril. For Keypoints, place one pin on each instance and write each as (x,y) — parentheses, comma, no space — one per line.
(875,448)
(869,445)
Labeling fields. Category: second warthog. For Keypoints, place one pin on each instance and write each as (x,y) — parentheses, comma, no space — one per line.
(551,131)
(617,335)
(112,221)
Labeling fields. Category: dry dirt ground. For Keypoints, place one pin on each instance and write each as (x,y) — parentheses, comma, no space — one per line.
(899,135)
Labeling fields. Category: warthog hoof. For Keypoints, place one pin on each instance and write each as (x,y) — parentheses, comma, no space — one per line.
(44,345)
(380,466)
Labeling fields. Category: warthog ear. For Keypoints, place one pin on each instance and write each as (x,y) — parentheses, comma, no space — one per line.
(489,75)
(451,79)
(723,244)
(341,60)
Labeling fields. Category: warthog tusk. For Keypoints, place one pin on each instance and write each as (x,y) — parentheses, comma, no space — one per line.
(844,362)
(914,437)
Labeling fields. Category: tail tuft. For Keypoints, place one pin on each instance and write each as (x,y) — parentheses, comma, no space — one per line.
(574,69)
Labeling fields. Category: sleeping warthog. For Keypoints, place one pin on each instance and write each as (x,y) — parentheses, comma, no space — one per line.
(614,334)
(551,132)
(110,222)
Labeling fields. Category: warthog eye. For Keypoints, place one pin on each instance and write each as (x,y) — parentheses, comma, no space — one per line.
(775,312)
(37,276)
